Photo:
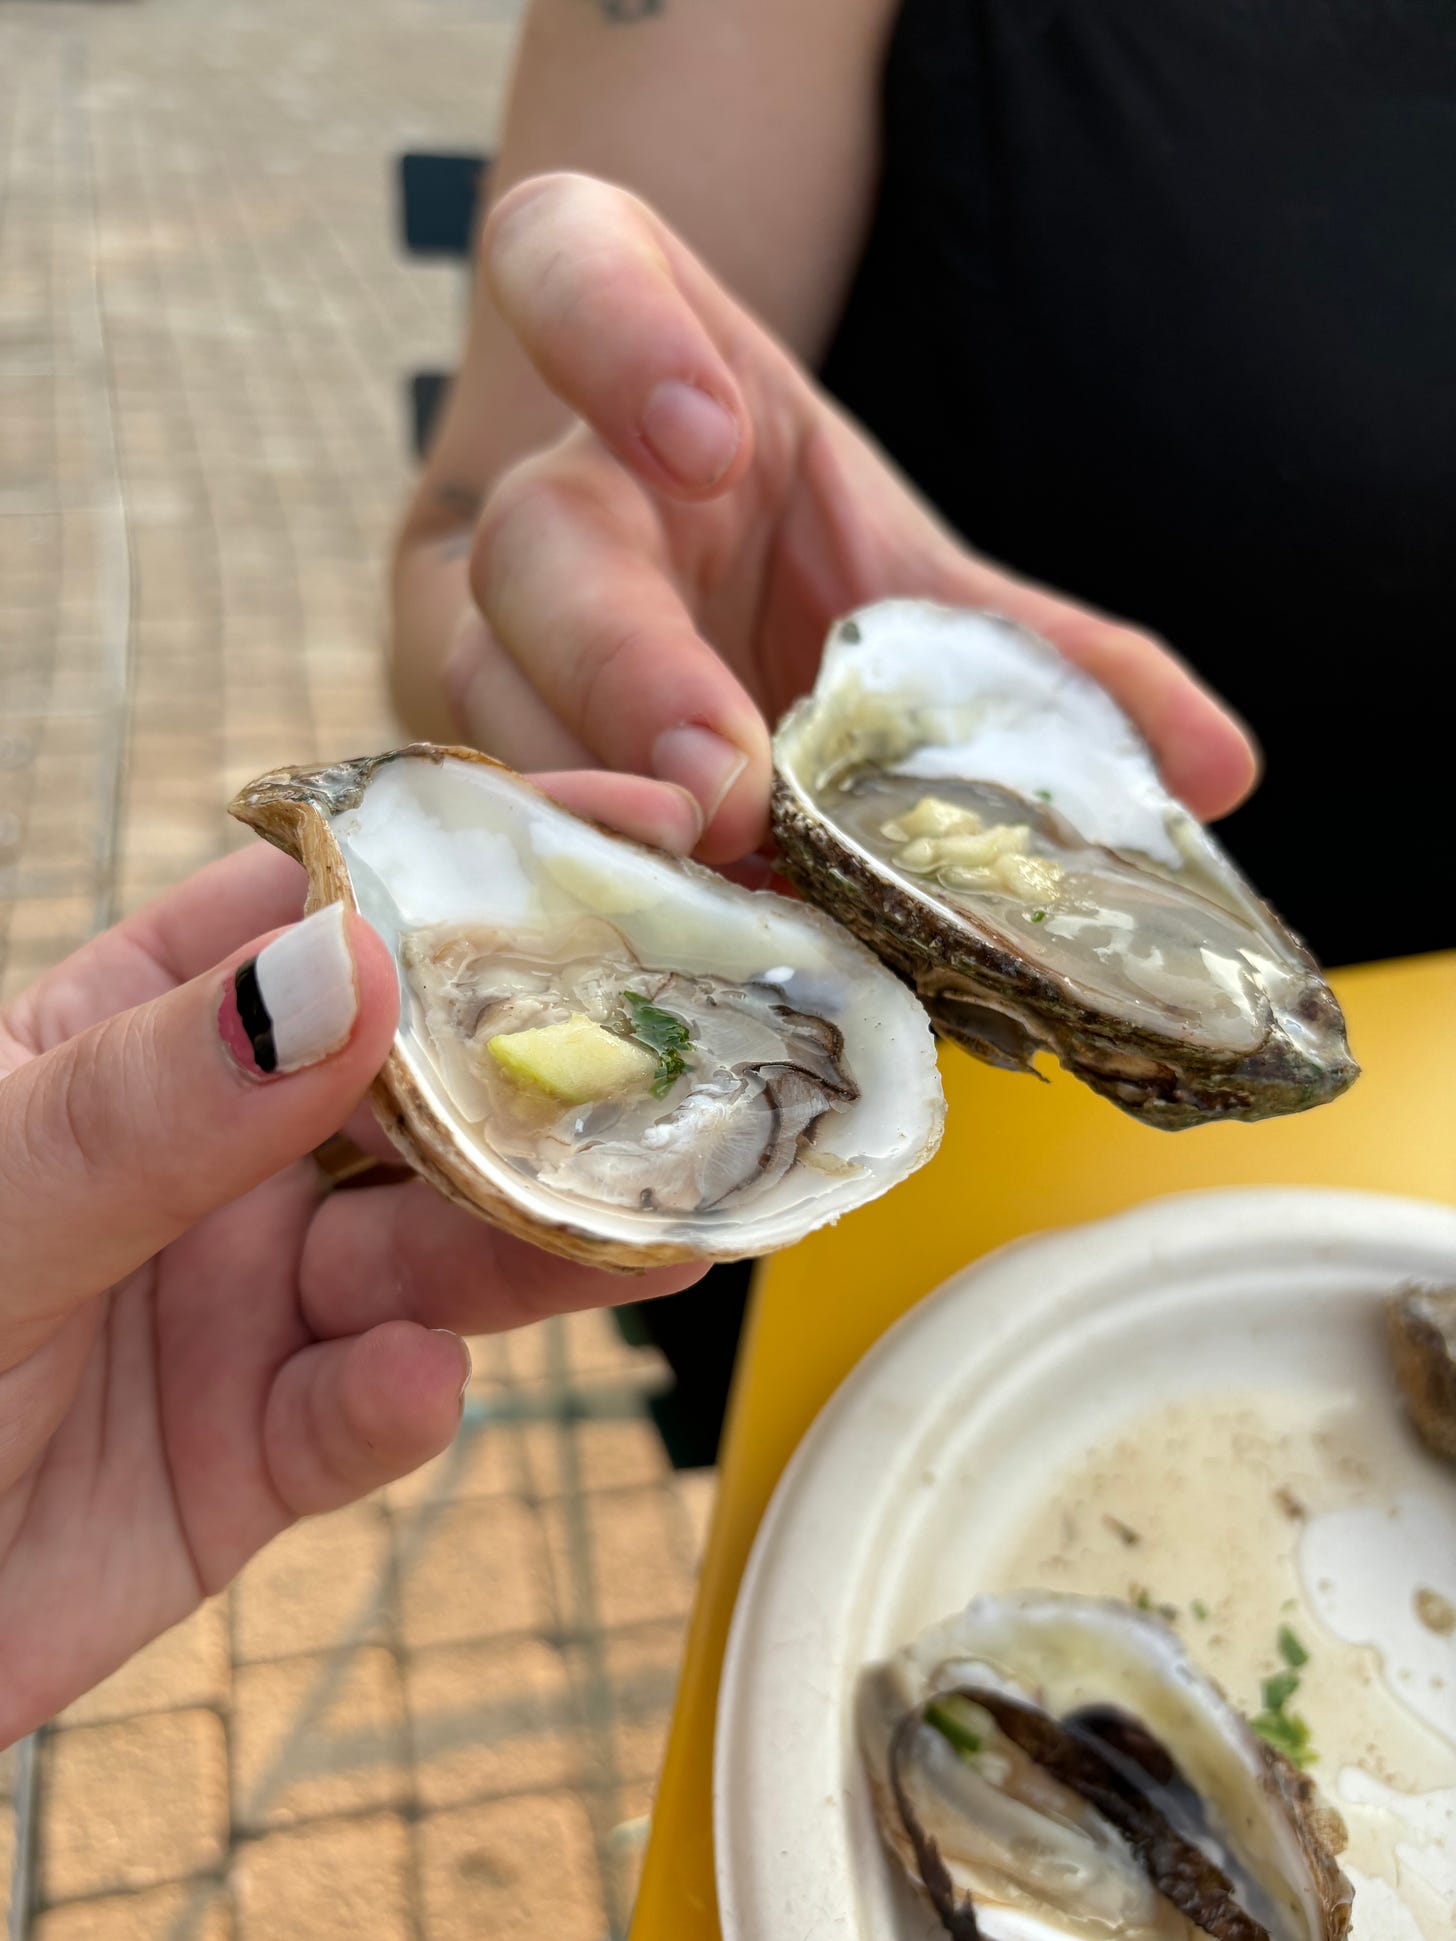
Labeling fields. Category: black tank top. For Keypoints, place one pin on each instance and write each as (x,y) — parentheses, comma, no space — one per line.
(1159,307)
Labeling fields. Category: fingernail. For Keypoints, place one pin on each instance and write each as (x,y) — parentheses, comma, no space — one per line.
(684,838)
(699,761)
(466,1356)
(295,1002)
(689,433)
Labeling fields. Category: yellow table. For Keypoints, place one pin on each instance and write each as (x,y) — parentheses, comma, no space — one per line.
(1018,1157)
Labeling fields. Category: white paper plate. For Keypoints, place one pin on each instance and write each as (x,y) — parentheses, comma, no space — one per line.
(1199,1372)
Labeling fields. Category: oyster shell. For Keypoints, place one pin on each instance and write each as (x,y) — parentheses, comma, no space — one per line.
(987,820)
(1420,1325)
(1048,1767)
(735,1070)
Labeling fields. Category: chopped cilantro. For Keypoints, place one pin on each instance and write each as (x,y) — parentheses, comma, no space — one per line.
(948,1716)
(1287,1733)
(1278,1689)
(1038,916)
(1199,1609)
(1291,1650)
(662,1033)
(1043,795)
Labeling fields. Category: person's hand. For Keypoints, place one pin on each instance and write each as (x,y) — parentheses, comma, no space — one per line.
(653,587)
(198,1345)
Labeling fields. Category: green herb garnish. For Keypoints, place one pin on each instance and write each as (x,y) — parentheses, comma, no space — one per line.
(948,1716)
(663,1034)
(1038,916)
(1287,1733)
(1043,795)
(1199,1609)
(1144,1599)
(1278,1689)
(1291,1650)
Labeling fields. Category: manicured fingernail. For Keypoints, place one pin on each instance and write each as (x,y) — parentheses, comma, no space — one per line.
(465,1355)
(690,433)
(295,1002)
(699,761)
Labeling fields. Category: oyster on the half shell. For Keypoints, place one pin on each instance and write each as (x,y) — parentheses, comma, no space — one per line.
(1054,1768)
(620,1056)
(984,816)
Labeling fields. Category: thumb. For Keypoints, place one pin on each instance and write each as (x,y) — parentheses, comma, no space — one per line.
(115,1142)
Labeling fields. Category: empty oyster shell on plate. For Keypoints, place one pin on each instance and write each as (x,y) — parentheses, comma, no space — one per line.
(986,819)
(1047,1767)
(618,1055)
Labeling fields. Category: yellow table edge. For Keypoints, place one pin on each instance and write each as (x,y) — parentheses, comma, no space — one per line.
(1018,1158)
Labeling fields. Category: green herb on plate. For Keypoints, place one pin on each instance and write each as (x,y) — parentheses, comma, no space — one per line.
(1291,1650)
(1278,1689)
(1287,1733)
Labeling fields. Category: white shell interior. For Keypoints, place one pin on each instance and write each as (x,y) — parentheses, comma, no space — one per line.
(965,681)
(1162,933)
(432,843)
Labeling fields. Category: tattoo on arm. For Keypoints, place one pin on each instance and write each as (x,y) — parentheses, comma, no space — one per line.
(463,500)
(626,11)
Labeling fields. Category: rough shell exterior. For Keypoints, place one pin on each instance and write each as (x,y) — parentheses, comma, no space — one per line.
(1321,1835)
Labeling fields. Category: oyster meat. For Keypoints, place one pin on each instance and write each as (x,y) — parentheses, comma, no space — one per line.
(618,1055)
(1052,1767)
(984,816)
(1420,1325)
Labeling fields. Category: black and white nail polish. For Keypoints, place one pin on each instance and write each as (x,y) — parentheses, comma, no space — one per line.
(296,1001)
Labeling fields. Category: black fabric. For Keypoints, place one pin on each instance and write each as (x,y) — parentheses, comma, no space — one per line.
(697,1332)
(1159,307)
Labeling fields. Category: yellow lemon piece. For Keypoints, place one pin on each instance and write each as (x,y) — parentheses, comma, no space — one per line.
(576,1060)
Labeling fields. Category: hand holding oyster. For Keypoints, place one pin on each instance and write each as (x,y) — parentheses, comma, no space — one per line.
(987,819)
(618,1055)
(631,1061)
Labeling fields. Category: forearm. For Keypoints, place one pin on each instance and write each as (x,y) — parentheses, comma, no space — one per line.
(499,410)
